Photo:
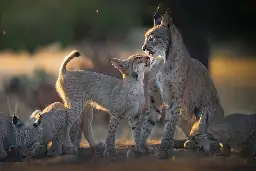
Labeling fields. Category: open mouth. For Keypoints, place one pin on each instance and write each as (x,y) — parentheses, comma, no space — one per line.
(149,52)
(148,62)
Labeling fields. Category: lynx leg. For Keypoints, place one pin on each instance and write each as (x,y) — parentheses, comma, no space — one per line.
(199,129)
(56,148)
(73,114)
(155,100)
(87,128)
(110,140)
(172,117)
(3,153)
(135,124)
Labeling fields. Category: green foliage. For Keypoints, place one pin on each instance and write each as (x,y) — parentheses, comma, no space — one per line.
(29,24)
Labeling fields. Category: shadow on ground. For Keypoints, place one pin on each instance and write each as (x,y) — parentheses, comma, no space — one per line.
(89,160)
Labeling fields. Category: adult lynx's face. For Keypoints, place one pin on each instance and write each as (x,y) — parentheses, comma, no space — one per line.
(157,39)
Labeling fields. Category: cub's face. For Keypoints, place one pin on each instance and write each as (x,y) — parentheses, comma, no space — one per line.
(140,63)
(134,64)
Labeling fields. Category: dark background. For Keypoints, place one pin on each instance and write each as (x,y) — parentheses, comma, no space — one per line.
(100,30)
(29,24)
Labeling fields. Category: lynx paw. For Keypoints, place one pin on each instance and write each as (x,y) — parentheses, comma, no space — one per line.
(109,153)
(161,154)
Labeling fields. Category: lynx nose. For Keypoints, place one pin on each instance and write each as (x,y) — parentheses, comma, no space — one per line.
(144,47)
(148,61)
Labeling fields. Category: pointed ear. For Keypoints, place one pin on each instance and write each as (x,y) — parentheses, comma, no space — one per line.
(166,20)
(157,16)
(36,112)
(37,123)
(14,119)
(117,63)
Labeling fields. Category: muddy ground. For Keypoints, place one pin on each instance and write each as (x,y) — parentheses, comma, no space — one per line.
(89,160)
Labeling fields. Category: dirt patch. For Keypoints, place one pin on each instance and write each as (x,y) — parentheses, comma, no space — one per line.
(89,160)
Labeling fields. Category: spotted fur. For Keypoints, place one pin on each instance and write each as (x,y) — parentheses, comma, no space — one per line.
(119,97)
(7,134)
(237,131)
(41,128)
(178,80)
(84,125)
(49,125)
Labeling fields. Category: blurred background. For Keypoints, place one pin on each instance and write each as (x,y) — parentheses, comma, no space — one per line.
(36,35)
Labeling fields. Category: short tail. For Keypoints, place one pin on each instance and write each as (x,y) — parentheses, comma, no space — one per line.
(71,55)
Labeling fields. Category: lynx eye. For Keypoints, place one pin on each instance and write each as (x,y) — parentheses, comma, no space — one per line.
(151,38)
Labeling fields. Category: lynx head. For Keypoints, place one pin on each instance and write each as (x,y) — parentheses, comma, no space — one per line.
(29,135)
(134,66)
(157,39)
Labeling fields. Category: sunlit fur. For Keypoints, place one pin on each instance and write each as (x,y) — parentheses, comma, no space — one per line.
(236,130)
(120,97)
(50,126)
(33,140)
(179,81)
